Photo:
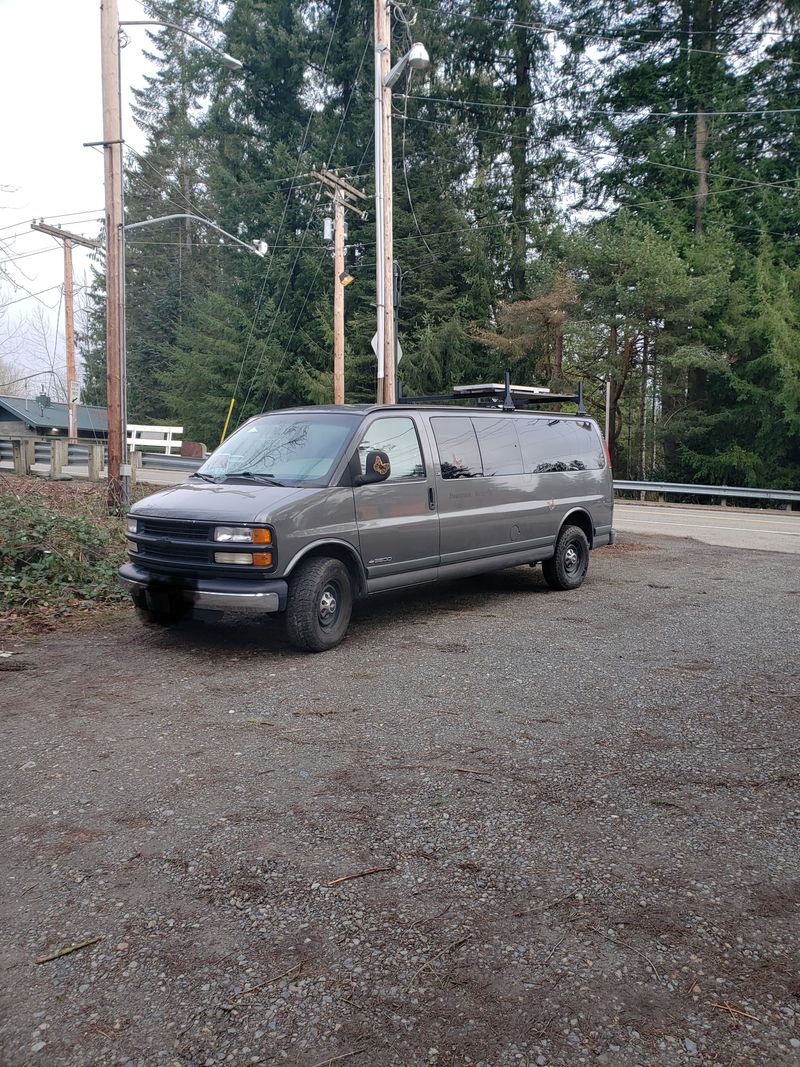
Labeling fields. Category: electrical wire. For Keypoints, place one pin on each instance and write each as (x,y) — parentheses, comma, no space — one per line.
(405,173)
(66,215)
(608,113)
(277,237)
(29,296)
(345,113)
(569,32)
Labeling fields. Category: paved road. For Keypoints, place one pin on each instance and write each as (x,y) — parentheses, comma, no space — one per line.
(768,531)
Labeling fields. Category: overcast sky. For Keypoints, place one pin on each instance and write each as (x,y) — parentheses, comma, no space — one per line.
(51,103)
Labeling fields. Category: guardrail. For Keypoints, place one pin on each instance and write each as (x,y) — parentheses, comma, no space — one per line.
(724,492)
(78,455)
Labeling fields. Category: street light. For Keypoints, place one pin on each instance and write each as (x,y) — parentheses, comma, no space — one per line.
(258,248)
(386,76)
(119,469)
(416,57)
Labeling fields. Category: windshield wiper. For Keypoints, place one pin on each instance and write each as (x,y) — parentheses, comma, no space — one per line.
(266,479)
(205,477)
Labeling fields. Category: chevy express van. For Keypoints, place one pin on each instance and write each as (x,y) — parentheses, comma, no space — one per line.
(304,510)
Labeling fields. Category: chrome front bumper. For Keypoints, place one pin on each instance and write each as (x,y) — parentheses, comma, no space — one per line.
(208,594)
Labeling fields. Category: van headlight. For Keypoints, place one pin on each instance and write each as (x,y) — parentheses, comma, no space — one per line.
(251,535)
(131,524)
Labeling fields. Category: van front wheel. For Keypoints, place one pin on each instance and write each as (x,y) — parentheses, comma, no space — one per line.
(320,603)
(567,568)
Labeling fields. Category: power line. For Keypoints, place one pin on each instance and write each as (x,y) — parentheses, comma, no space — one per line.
(570,32)
(64,215)
(345,113)
(277,236)
(606,112)
(29,296)
(27,255)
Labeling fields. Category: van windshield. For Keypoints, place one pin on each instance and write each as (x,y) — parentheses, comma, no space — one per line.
(285,448)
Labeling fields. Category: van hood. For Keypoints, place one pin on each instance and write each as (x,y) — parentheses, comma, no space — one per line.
(229,501)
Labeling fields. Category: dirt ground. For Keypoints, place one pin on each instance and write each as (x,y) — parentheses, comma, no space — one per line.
(499,825)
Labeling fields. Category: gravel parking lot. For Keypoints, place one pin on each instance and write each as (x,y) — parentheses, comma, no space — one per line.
(499,825)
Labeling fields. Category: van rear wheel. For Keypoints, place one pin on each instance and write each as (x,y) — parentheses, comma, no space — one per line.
(567,568)
(320,604)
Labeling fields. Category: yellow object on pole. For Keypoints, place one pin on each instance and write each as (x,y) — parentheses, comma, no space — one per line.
(227,419)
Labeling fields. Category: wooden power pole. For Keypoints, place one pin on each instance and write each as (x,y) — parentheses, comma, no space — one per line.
(68,239)
(344,196)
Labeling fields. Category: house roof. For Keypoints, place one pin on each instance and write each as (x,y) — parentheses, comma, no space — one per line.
(90,419)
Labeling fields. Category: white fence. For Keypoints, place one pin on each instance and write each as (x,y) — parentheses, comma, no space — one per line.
(166,437)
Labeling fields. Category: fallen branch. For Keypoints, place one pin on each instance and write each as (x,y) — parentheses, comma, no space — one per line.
(549,955)
(70,948)
(630,948)
(472,770)
(293,971)
(358,874)
(342,1056)
(431,918)
(448,948)
(735,1011)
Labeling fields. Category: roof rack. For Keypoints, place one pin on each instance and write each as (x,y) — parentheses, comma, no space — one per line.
(505,397)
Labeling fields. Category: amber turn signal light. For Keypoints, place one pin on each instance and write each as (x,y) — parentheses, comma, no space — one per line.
(262,559)
(262,536)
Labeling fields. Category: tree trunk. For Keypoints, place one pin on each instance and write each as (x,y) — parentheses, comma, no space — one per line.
(643,410)
(520,127)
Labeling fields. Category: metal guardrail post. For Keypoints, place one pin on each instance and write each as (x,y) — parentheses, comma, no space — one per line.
(58,456)
(95,462)
(21,454)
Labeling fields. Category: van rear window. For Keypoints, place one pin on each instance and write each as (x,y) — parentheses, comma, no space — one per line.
(555,444)
(459,454)
(499,446)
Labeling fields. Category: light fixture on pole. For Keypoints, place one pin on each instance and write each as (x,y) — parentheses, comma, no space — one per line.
(386,76)
(119,469)
(258,248)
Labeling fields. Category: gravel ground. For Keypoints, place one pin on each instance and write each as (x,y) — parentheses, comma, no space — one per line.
(580,812)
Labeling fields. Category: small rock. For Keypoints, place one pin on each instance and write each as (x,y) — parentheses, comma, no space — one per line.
(690,1046)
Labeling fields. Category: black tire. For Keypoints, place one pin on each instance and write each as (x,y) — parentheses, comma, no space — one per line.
(320,604)
(160,619)
(567,568)
(160,609)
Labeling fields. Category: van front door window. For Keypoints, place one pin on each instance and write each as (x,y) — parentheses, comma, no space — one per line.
(397,439)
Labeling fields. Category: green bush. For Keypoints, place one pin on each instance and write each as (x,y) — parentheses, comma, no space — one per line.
(51,558)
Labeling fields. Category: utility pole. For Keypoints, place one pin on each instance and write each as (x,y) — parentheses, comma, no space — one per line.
(338,299)
(386,77)
(384,270)
(118,468)
(344,196)
(68,239)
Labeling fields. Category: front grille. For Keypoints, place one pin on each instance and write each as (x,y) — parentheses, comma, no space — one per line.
(169,551)
(183,530)
(186,548)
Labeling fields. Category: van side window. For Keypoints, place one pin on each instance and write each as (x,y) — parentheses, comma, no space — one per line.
(499,446)
(398,439)
(458,447)
(555,444)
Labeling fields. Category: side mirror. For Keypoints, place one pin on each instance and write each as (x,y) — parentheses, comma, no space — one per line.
(376,469)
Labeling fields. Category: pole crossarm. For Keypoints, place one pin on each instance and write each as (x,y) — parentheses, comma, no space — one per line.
(65,235)
(344,190)
(197,218)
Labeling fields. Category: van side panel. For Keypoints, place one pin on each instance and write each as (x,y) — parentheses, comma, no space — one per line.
(324,515)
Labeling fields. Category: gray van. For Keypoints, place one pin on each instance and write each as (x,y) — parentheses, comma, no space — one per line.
(304,510)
